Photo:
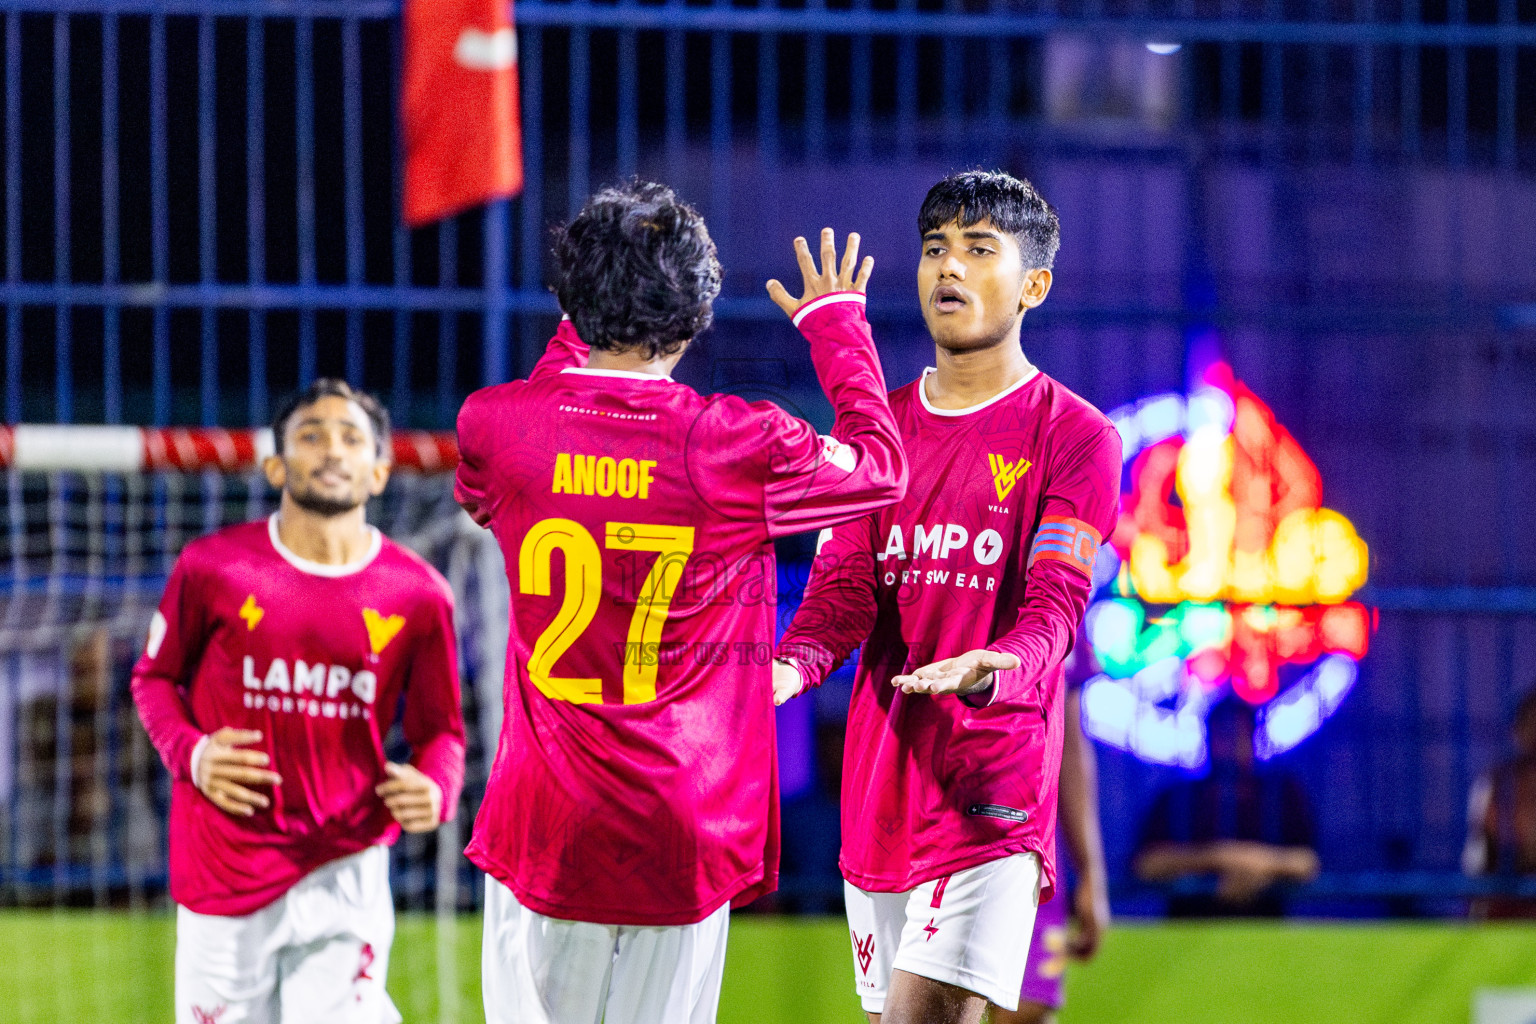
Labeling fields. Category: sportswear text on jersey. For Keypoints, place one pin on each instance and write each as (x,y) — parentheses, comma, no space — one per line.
(314,688)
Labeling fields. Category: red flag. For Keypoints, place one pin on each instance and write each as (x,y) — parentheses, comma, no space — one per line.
(459,107)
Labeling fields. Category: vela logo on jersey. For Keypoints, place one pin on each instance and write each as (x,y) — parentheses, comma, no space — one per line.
(602,476)
(1066,540)
(1005,474)
(381,630)
(212,1016)
(251,612)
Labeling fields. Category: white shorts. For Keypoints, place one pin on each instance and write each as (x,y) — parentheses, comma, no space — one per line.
(320,952)
(545,970)
(970,929)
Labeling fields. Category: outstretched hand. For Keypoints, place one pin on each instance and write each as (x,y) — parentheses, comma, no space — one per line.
(965,673)
(829,278)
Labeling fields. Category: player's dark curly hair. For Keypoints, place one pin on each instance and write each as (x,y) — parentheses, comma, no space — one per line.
(1010,203)
(330,387)
(637,270)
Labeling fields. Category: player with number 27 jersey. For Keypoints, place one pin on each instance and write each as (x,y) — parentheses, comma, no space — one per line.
(636,782)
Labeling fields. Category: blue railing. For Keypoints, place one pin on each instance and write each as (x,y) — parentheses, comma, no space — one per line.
(201,211)
(671,89)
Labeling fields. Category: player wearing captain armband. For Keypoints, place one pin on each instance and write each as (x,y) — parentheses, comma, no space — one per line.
(633,798)
(966,596)
(275,665)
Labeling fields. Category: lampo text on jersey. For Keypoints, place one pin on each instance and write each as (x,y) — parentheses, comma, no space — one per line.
(318,690)
(939,541)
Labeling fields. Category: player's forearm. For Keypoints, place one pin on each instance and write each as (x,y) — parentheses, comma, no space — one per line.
(1295,863)
(812,656)
(821,638)
(1080,798)
(838,610)
(441,759)
(1168,862)
(1080,507)
(1042,635)
(433,721)
(168,723)
(843,352)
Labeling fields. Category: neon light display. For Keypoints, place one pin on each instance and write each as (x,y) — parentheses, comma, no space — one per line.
(1224,572)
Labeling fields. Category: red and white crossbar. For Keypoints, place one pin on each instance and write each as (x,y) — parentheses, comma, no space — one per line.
(111,449)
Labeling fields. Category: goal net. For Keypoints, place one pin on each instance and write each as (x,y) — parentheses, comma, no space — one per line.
(93,520)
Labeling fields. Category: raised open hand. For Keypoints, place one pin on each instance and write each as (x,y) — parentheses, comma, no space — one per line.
(830,278)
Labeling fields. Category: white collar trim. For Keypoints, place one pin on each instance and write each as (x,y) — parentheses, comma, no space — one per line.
(320,568)
(623,374)
(922,393)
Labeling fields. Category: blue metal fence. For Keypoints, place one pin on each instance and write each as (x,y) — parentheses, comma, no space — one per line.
(221,215)
(201,211)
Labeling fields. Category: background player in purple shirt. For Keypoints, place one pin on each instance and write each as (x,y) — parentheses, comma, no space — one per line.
(966,594)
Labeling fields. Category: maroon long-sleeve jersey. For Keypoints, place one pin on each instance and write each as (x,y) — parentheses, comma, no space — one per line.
(635,781)
(250,636)
(992,547)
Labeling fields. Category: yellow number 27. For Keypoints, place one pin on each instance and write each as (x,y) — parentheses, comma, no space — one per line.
(583,590)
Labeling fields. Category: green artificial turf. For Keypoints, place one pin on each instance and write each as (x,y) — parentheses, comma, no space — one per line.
(116,967)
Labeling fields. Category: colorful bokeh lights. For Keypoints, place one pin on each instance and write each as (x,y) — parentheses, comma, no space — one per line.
(1224,575)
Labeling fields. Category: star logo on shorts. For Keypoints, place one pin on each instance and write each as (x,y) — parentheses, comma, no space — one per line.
(364,961)
(212,1016)
(932,930)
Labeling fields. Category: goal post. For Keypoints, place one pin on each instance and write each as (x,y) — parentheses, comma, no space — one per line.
(94,518)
